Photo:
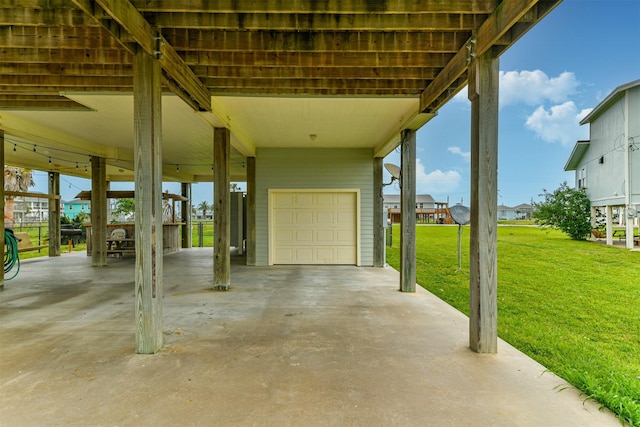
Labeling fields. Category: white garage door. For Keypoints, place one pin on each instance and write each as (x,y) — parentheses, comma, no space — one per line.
(314,227)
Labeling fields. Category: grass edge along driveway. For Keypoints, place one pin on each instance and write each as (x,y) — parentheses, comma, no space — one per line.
(573,306)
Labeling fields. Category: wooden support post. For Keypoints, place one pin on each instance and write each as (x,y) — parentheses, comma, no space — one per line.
(98,212)
(609,225)
(185,209)
(54,214)
(378,214)
(147,110)
(408,212)
(2,197)
(251,211)
(221,209)
(483,275)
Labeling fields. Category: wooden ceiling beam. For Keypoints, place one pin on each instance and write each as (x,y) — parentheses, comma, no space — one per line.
(296,41)
(247,72)
(66,69)
(505,16)
(186,84)
(316,83)
(75,56)
(317,59)
(55,37)
(366,93)
(318,22)
(65,81)
(43,17)
(41,105)
(322,7)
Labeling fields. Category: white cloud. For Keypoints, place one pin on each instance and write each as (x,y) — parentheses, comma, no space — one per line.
(535,87)
(436,182)
(559,124)
(466,155)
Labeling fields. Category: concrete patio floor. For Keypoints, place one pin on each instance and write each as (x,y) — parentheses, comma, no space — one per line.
(286,346)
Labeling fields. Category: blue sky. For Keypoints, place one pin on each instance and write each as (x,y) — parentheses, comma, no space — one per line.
(551,78)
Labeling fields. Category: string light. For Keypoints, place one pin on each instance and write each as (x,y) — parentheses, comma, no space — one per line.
(178,168)
(34,148)
(14,147)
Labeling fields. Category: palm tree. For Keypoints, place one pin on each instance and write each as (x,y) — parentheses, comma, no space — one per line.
(204,207)
(15,179)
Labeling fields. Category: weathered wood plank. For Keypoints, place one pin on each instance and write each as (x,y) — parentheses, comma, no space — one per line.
(300,41)
(43,17)
(408,212)
(66,56)
(66,69)
(319,22)
(314,6)
(314,72)
(483,275)
(221,209)
(135,27)
(148,196)
(313,83)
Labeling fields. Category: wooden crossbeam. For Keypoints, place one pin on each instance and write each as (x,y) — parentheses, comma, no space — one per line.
(66,69)
(57,55)
(505,16)
(293,91)
(315,6)
(151,41)
(315,83)
(318,22)
(253,72)
(317,59)
(309,41)
(43,17)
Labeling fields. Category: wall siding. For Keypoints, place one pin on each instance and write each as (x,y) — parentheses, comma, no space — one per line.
(607,136)
(300,168)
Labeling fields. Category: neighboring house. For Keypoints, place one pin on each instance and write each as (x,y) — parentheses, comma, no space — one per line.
(31,209)
(608,164)
(522,211)
(427,209)
(72,208)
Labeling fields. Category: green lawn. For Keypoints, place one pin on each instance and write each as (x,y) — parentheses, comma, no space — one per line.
(572,306)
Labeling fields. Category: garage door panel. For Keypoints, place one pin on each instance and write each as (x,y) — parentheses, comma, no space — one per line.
(315,227)
(304,237)
(303,217)
(326,217)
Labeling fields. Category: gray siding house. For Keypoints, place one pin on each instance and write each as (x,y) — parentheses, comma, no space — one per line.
(608,164)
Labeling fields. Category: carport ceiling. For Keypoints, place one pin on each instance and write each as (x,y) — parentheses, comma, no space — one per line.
(299,73)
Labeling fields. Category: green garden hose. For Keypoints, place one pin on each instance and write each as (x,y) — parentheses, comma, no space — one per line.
(11,258)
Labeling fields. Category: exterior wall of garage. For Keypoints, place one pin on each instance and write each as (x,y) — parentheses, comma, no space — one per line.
(310,168)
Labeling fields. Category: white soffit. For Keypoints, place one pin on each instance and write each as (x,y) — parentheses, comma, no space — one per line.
(335,122)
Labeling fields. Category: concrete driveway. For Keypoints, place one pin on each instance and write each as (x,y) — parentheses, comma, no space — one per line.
(286,346)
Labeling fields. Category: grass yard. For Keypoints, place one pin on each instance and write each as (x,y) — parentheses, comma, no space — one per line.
(572,306)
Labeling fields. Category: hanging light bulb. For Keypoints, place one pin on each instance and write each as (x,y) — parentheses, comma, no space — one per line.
(178,168)
(76,165)
(49,160)
(34,148)
(14,147)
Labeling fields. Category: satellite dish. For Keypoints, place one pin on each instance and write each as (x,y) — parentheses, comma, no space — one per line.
(393,170)
(461,214)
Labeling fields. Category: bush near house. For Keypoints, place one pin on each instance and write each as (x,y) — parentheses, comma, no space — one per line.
(566,209)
